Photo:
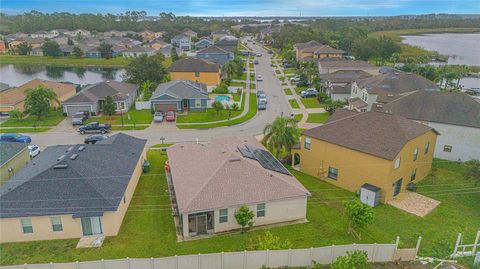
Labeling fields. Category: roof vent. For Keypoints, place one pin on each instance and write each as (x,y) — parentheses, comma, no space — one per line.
(81,148)
(390,95)
(61,158)
(69,149)
(234,159)
(74,156)
(60,166)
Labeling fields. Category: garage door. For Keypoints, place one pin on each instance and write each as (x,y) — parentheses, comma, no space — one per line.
(165,107)
(71,110)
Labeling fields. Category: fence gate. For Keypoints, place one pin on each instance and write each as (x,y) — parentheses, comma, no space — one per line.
(462,249)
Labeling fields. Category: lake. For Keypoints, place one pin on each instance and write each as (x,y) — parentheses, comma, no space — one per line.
(15,75)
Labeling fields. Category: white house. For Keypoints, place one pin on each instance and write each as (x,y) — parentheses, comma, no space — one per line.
(42,34)
(456,116)
(182,41)
(138,51)
(338,84)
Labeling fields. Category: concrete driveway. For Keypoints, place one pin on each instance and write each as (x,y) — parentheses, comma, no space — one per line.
(277,104)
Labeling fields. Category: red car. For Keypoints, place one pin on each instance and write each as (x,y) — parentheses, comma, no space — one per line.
(170,115)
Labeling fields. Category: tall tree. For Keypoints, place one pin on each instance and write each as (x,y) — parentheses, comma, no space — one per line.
(280,135)
(77,52)
(105,50)
(51,48)
(23,48)
(143,68)
(38,101)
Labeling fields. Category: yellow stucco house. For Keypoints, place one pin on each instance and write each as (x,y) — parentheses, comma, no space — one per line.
(64,192)
(381,149)
(198,70)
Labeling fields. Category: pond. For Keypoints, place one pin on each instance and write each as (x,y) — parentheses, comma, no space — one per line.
(15,75)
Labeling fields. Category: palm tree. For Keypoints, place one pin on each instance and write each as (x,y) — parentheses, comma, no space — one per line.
(282,133)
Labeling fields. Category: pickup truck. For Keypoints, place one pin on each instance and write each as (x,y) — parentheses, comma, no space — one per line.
(95,127)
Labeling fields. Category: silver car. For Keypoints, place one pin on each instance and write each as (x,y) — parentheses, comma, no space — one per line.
(262,98)
(78,118)
(158,116)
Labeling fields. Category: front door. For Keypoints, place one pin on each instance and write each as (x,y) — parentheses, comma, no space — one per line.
(91,226)
(201,224)
(397,187)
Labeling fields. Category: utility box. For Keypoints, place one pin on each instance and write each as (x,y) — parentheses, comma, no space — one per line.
(370,195)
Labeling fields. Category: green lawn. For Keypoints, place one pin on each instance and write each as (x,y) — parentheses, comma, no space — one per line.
(143,116)
(253,86)
(298,90)
(129,128)
(209,115)
(23,130)
(293,103)
(318,117)
(277,71)
(53,118)
(288,91)
(242,77)
(289,71)
(298,117)
(148,229)
(311,102)
(282,79)
(240,84)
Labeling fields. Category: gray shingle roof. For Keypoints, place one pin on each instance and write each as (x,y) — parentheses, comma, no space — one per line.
(98,91)
(91,184)
(181,89)
(195,65)
(8,150)
(212,49)
(442,107)
(345,76)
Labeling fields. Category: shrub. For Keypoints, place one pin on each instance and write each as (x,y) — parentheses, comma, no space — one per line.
(235,106)
(357,259)
(222,88)
(244,217)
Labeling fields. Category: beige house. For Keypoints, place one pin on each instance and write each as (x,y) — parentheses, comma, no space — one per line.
(13,156)
(332,65)
(65,193)
(209,183)
(315,50)
(14,98)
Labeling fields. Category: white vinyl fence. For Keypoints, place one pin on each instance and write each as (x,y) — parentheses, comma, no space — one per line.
(139,105)
(232,260)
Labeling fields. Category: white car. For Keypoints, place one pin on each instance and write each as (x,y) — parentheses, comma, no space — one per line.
(158,116)
(259,78)
(33,150)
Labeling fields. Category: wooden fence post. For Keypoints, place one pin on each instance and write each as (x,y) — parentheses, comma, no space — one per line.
(417,247)
(475,244)
(457,243)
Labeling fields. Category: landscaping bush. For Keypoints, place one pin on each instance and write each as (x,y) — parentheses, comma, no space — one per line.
(357,259)
(221,89)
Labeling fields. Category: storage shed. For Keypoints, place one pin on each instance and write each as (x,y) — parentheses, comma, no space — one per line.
(370,195)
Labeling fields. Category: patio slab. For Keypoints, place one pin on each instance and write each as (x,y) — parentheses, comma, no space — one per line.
(91,241)
(414,203)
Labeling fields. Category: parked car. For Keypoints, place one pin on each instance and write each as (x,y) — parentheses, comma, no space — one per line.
(259,92)
(92,139)
(170,115)
(259,78)
(79,118)
(11,137)
(262,106)
(295,79)
(33,150)
(158,116)
(259,55)
(255,61)
(308,93)
(262,98)
(95,127)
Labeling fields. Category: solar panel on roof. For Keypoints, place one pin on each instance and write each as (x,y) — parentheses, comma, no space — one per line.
(265,158)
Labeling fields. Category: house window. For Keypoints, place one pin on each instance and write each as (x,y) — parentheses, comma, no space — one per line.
(397,187)
(365,96)
(427,145)
(414,174)
(120,105)
(198,102)
(332,173)
(363,110)
(397,163)
(27,225)
(447,148)
(260,210)
(56,224)
(415,154)
(197,74)
(308,143)
(223,215)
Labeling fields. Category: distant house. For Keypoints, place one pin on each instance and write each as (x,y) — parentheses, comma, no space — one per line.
(315,50)
(42,34)
(167,50)
(209,183)
(92,97)
(203,43)
(384,150)
(148,35)
(138,51)
(456,116)
(84,190)
(36,52)
(14,98)
(3,47)
(337,85)
(13,156)
(228,43)
(190,33)
(182,41)
(217,35)
(384,88)
(331,65)
(195,69)
(77,32)
(4,86)
(180,95)
(215,54)
(157,43)
(92,52)
(59,32)
(33,42)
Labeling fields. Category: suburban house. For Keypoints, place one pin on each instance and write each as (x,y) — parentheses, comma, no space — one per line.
(383,88)
(331,65)
(157,43)
(337,85)
(217,35)
(209,183)
(42,34)
(92,52)
(203,43)
(315,50)
(215,54)
(180,95)
(384,150)
(34,42)
(13,157)
(148,35)
(138,51)
(65,193)
(3,47)
(456,116)
(92,97)
(4,86)
(182,41)
(228,43)
(14,98)
(36,51)
(190,33)
(199,70)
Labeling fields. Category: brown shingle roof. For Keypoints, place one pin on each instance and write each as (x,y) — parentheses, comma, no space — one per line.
(16,95)
(195,65)
(343,63)
(375,133)
(218,176)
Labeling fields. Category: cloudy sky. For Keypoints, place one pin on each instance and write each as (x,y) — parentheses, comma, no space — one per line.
(248,7)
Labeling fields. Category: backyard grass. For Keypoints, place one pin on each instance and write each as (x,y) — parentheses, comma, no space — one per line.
(311,102)
(318,117)
(23,130)
(287,91)
(53,118)
(293,103)
(148,229)
(298,117)
(143,116)
(242,77)
(253,86)
(282,79)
